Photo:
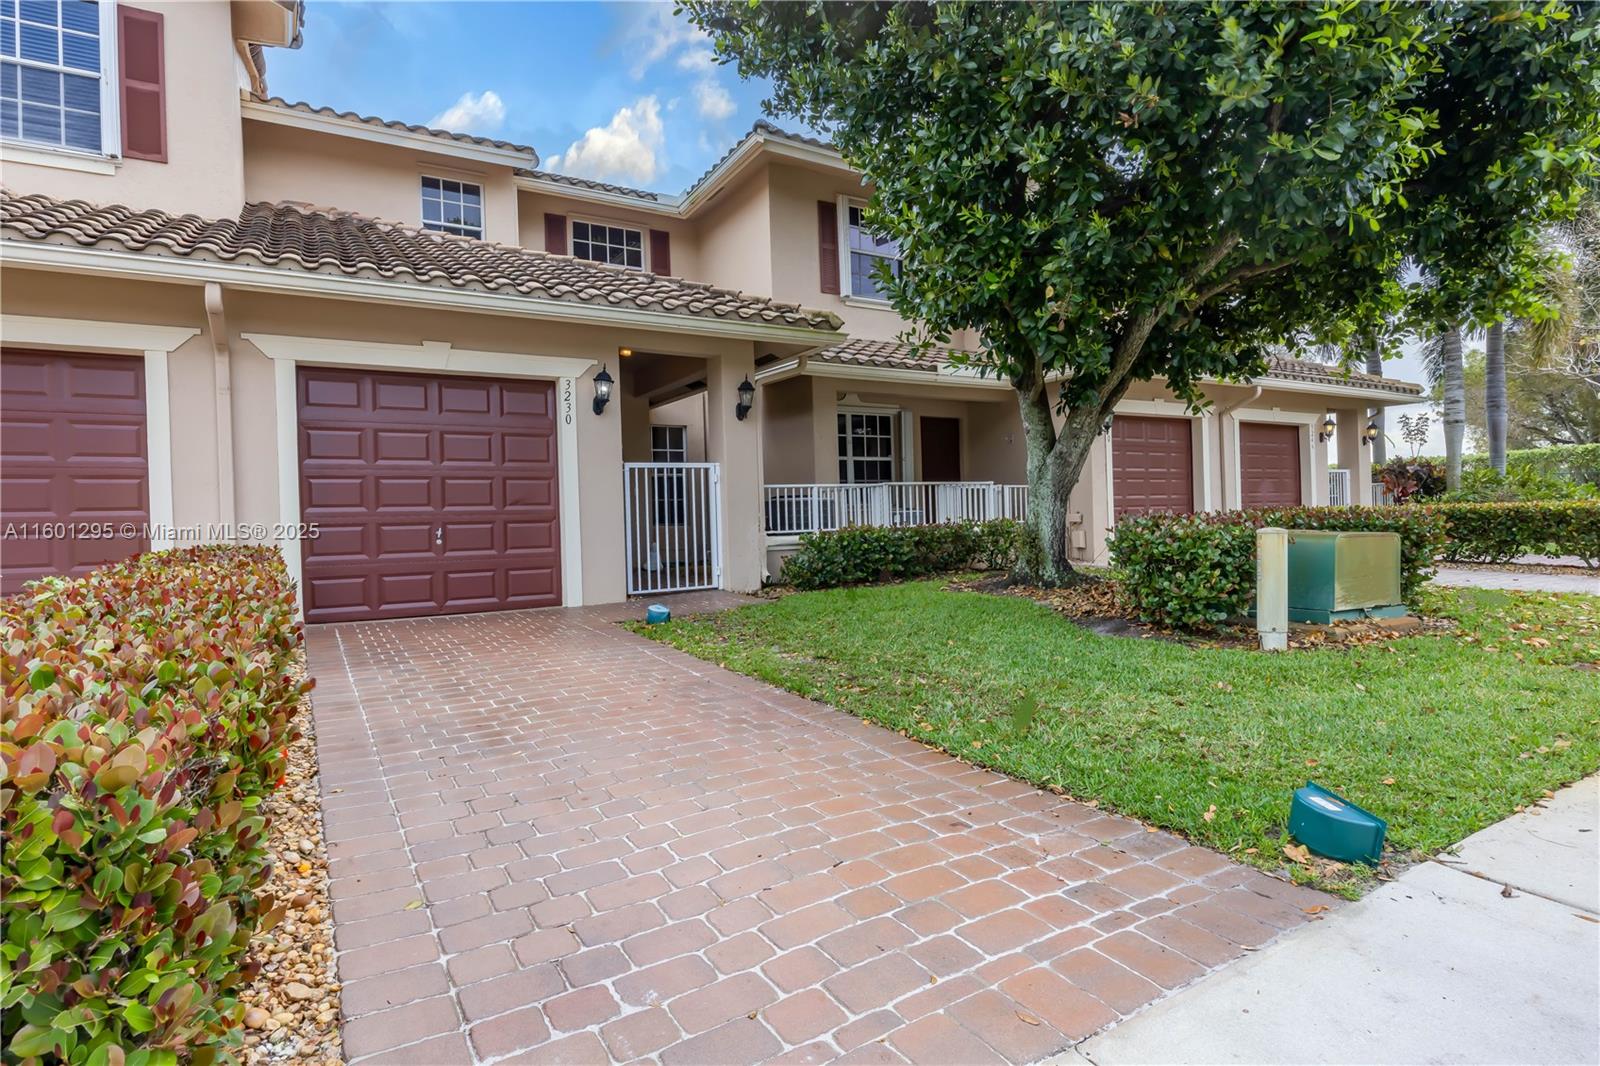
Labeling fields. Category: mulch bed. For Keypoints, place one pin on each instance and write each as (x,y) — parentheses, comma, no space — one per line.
(292,1007)
(1093,603)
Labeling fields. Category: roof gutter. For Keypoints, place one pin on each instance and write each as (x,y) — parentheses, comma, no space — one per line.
(364,131)
(107,262)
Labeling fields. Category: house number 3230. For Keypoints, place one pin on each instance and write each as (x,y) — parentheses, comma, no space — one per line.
(566,400)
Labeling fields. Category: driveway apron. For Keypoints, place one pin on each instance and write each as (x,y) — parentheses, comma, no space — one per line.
(553,840)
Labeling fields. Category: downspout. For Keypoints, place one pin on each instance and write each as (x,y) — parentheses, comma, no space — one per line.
(1222,441)
(222,371)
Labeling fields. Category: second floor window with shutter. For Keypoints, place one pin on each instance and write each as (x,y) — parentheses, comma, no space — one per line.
(608,244)
(866,251)
(57,67)
(452,207)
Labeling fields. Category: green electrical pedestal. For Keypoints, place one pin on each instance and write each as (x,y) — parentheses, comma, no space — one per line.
(1337,576)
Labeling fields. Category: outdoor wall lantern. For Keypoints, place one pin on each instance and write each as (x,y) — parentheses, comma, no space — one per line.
(602,389)
(1328,426)
(1105,427)
(1371,432)
(747,399)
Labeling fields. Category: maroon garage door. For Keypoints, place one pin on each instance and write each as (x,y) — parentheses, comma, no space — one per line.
(72,462)
(1269,465)
(431,495)
(1152,465)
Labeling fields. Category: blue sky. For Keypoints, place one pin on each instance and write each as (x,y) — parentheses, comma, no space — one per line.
(623,92)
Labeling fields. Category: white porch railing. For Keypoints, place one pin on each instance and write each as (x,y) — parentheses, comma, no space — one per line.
(1339,488)
(794,509)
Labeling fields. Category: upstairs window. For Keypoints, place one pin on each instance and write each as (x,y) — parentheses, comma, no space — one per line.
(866,252)
(451,206)
(608,244)
(56,60)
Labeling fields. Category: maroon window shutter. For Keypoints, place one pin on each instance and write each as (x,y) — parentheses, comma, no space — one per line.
(142,69)
(828,244)
(660,252)
(555,234)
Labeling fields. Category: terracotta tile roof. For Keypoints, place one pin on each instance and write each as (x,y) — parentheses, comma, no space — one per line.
(404,127)
(298,238)
(892,354)
(762,128)
(602,186)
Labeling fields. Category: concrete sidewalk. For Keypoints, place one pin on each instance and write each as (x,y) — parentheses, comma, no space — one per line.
(1518,580)
(1488,955)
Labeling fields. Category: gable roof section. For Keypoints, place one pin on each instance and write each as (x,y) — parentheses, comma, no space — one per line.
(892,355)
(291,239)
(277,109)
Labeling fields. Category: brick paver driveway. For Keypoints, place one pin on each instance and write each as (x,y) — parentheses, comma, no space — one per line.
(551,840)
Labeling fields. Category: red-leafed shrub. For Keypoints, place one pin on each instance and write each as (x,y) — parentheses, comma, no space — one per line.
(147,709)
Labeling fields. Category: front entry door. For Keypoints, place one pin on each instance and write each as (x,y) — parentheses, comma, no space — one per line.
(941,449)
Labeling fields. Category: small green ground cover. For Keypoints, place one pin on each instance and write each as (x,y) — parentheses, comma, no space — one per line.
(1441,734)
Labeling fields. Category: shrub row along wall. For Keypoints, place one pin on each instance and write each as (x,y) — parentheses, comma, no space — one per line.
(147,709)
(1499,532)
(1195,571)
(860,555)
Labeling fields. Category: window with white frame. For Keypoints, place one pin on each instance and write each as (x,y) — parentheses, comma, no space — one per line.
(866,447)
(56,66)
(452,207)
(669,444)
(608,244)
(866,251)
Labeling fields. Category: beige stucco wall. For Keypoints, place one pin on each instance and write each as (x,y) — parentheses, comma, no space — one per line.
(204,169)
(192,384)
(384,181)
(735,237)
(690,413)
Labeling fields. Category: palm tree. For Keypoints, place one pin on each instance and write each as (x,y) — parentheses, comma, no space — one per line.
(1441,361)
(1494,394)
(1568,340)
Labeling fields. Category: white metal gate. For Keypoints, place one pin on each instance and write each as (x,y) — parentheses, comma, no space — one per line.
(671,516)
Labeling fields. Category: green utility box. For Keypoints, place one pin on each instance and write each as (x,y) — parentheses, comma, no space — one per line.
(1336,575)
(1331,825)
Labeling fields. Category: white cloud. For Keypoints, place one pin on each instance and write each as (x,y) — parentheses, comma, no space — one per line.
(713,100)
(625,148)
(657,33)
(698,57)
(482,113)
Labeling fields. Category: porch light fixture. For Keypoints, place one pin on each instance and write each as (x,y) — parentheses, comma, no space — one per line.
(747,399)
(602,389)
(1370,434)
(1105,427)
(1328,426)
(623,353)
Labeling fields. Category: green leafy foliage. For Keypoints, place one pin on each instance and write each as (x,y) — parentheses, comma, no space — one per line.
(1498,532)
(1518,484)
(147,709)
(1197,571)
(861,555)
(1106,193)
(1576,463)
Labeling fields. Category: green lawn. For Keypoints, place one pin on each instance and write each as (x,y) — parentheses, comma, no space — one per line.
(1441,735)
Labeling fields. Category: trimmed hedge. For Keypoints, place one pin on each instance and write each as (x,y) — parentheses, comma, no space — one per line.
(1195,571)
(148,706)
(860,555)
(1499,532)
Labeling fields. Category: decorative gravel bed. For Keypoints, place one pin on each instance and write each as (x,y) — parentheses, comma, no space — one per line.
(292,1007)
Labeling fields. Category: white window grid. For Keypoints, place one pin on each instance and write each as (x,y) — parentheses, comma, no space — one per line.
(865,250)
(866,447)
(451,206)
(601,242)
(58,75)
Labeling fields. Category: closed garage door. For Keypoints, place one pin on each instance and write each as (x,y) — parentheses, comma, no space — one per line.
(1269,465)
(431,495)
(75,493)
(1152,465)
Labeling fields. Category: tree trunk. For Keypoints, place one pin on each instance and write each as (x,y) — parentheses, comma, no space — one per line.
(1380,443)
(1494,394)
(1455,406)
(1054,462)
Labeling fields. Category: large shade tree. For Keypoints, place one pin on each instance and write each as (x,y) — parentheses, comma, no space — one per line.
(1108,193)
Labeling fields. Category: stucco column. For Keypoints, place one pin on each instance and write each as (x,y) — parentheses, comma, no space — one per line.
(736,446)
(1355,454)
(824,432)
(634,415)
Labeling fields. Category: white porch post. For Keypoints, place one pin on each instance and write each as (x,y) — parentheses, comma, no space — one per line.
(736,445)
